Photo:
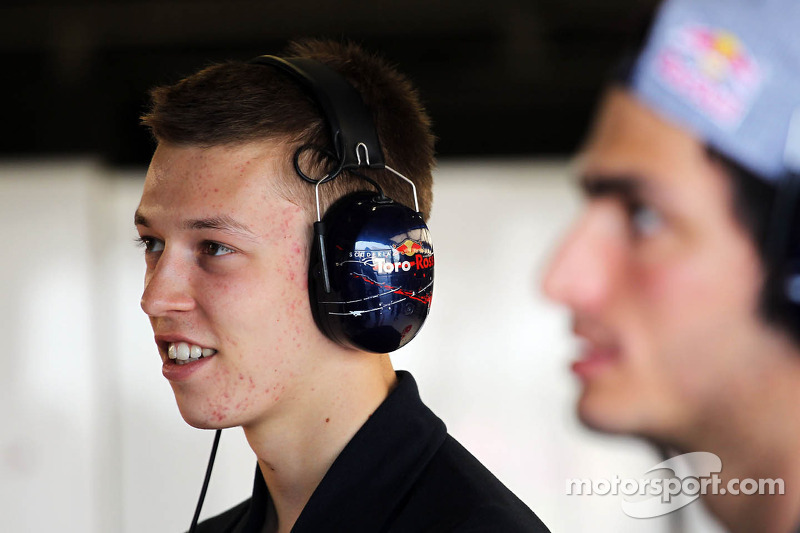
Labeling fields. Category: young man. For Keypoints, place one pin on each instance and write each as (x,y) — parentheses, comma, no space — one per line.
(343,442)
(676,272)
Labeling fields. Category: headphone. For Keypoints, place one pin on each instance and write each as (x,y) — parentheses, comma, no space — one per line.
(370,276)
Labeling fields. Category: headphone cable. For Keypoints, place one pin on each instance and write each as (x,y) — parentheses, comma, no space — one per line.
(193,527)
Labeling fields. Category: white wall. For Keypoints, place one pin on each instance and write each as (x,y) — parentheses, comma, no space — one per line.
(91,432)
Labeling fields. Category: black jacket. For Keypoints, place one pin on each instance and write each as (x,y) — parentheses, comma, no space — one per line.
(401,473)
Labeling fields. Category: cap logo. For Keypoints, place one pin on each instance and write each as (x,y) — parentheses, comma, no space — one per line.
(712,70)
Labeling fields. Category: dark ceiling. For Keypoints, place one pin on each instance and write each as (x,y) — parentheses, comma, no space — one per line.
(503,77)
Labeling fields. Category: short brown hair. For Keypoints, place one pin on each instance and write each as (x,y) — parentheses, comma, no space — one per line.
(238,102)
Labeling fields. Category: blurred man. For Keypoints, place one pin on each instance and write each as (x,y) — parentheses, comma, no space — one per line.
(343,442)
(682,272)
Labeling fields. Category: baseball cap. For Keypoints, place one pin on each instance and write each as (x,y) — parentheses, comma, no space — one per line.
(729,71)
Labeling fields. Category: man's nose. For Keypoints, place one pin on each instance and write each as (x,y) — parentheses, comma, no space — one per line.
(588,262)
(168,286)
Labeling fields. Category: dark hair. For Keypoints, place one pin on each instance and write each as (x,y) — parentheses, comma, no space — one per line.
(754,200)
(238,102)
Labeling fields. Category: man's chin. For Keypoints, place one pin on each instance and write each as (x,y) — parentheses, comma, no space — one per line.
(204,424)
(203,420)
(607,415)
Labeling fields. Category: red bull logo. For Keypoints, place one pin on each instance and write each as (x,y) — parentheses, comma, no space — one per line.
(712,69)
(408,247)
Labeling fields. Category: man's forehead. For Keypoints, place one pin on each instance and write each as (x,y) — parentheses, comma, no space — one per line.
(209,184)
(222,169)
(625,122)
(631,147)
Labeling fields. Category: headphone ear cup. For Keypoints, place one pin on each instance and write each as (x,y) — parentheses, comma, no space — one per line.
(380,266)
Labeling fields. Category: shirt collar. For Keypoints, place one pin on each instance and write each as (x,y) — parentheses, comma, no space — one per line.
(375,470)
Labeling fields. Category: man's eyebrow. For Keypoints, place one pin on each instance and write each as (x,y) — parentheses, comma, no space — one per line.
(140,220)
(601,186)
(222,223)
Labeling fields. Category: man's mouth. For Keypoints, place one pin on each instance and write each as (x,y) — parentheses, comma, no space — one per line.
(183,352)
(594,359)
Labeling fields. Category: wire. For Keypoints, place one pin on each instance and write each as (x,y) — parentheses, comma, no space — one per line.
(193,527)
(329,176)
(371,181)
(333,173)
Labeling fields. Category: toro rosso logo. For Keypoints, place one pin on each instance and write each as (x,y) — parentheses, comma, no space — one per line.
(408,248)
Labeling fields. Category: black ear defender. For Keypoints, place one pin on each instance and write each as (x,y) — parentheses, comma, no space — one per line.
(370,275)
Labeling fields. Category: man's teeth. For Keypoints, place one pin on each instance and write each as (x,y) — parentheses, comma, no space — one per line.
(183,352)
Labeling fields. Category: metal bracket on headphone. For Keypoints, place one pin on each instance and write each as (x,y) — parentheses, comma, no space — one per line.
(327,177)
(413,187)
(366,153)
(350,122)
(316,195)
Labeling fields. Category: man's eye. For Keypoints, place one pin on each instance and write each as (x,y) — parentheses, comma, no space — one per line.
(150,244)
(645,221)
(216,249)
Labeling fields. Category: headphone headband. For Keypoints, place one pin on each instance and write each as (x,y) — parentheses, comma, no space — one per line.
(351,126)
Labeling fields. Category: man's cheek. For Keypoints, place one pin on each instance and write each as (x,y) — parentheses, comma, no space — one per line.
(673,291)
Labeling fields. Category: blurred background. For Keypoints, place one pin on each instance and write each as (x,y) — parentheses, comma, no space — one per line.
(91,433)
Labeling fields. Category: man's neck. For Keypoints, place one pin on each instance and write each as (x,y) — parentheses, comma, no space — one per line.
(758,439)
(296,448)
(778,471)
